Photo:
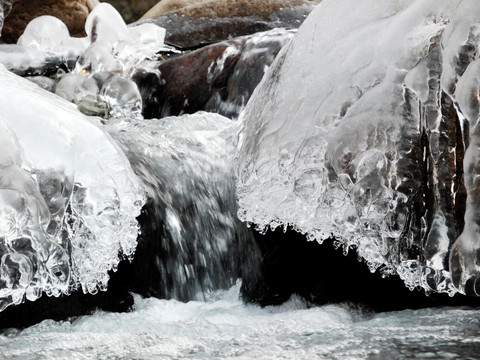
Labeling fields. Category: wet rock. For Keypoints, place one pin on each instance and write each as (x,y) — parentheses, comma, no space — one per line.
(5,7)
(72,12)
(190,24)
(217,78)
(132,10)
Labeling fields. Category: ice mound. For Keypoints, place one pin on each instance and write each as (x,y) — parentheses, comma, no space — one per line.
(68,197)
(49,34)
(47,47)
(365,129)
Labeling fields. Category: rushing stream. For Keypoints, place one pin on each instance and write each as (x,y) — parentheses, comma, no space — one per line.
(372,146)
(225,328)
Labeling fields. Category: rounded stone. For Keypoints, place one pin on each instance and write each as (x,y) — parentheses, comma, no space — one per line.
(192,24)
(223,8)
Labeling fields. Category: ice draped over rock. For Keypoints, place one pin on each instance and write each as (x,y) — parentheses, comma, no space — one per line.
(68,197)
(365,129)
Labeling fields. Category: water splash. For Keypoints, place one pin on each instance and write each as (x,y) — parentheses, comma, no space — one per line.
(186,165)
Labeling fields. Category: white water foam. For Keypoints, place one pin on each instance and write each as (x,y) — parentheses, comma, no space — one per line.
(225,328)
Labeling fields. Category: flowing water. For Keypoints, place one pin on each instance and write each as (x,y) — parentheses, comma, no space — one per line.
(70,199)
(223,327)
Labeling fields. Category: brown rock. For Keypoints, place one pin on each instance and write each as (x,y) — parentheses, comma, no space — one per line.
(217,78)
(132,10)
(72,12)
(223,8)
(190,24)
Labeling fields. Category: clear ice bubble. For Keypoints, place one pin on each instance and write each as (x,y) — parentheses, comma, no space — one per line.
(45,33)
(16,271)
(105,94)
(122,97)
(85,96)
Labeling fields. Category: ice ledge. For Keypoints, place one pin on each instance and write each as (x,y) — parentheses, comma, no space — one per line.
(68,197)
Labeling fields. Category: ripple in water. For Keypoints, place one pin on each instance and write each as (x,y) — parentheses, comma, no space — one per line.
(225,328)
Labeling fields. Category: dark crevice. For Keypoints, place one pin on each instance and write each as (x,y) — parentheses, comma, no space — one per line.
(321,274)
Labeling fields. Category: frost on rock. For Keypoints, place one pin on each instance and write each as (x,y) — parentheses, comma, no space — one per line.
(68,197)
(365,129)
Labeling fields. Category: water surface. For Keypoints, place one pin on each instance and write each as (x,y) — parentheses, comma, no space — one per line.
(225,328)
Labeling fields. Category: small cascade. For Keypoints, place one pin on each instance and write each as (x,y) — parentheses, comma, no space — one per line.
(372,147)
(191,241)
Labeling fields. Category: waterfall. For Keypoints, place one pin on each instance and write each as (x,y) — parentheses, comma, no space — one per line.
(289,232)
(375,152)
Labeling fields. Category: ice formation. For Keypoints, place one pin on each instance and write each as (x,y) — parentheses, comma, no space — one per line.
(365,129)
(45,45)
(48,34)
(101,64)
(68,197)
(105,94)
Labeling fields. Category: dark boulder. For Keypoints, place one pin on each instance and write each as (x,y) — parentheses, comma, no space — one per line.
(193,23)
(217,78)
